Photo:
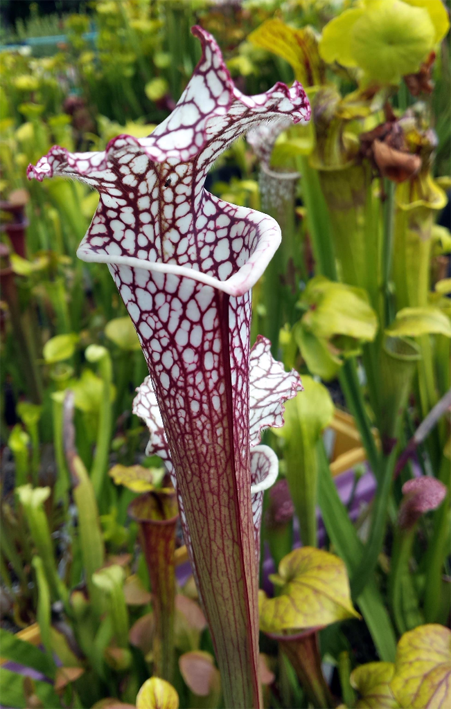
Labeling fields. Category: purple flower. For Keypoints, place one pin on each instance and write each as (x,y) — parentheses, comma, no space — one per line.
(421,495)
(184,262)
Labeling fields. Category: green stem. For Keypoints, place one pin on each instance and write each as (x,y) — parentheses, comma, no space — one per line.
(280,540)
(348,545)
(283,681)
(372,247)
(399,567)
(35,451)
(426,373)
(111,581)
(442,359)
(5,577)
(100,462)
(63,479)
(91,540)
(40,534)
(56,291)
(344,671)
(429,397)
(9,551)
(77,297)
(22,336)
(317,219)
(437,553)
(302,476)
(352,390)
(371,355)
(86,627)
(373,547)
(44,608)
(387,249)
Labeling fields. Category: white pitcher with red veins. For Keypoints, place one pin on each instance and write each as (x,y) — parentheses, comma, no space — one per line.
(184,262)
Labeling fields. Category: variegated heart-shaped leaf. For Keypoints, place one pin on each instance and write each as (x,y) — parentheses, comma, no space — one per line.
(313,592)
(422,678)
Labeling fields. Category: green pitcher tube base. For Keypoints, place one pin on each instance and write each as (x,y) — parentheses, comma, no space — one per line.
(303,653)
(417,202)
(278,199)
(350,202)
(397,364)
(157,515)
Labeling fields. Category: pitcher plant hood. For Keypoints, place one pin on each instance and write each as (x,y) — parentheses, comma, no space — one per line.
(154,212)
(184,262)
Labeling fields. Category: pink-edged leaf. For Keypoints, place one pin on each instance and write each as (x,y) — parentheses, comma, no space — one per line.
(141,633)
(200,674)
(192,612)
(267,676)
(270,386)
(184,262)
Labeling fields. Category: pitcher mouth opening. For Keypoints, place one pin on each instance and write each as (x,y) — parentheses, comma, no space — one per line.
(239,283)
(156,266)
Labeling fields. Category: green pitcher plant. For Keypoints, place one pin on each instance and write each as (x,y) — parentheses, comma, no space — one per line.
(384,40)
